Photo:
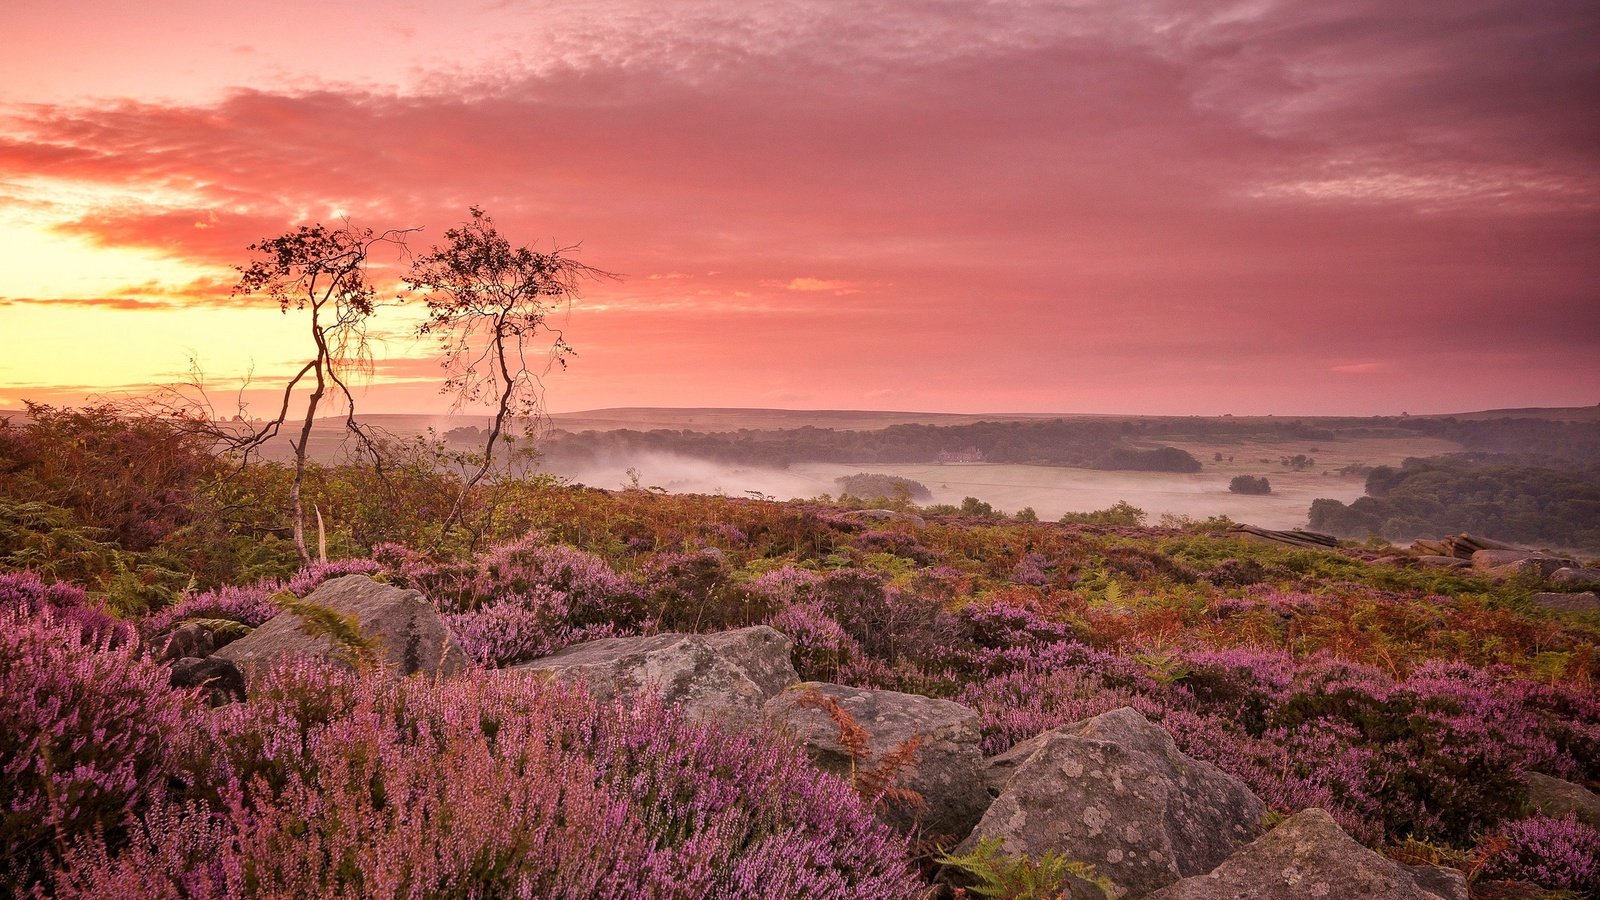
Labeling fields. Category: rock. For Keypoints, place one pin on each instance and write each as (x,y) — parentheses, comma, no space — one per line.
(1114,791)
(864,516)
(223,681)
(187,641)
(1518,561)
(1444,562)
(1587,601)
(1574,576)
(1556,798)
(727,676)
(404,624)
(1311,856)
(949,759)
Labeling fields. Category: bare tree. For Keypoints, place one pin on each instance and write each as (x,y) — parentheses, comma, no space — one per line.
(323,270)
(489,305)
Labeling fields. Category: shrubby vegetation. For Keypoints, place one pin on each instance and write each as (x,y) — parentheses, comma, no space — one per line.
(1250,484)
(1405,702)
(1510,501)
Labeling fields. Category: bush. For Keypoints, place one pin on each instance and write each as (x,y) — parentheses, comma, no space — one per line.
(488,786)
(1250,484)
(89,731)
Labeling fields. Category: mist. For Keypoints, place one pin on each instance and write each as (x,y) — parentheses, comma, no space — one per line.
(1049,490)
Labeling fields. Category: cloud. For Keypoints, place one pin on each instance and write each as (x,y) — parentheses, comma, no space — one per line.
(1053,204)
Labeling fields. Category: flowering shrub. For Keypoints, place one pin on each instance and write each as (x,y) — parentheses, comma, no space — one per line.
(502,785)
(88,732)
(1553,853)
(24,593)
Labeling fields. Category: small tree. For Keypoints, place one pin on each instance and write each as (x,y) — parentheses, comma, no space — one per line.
(323,270)
(489,305)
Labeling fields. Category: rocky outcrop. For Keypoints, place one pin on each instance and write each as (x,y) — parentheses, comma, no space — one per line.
(405,627)
(947,771)
(1460,546)
(1310,856)
(1307,540)
(221,679)
(1115,792)
(724,677)
(1556,798)
(1587,601)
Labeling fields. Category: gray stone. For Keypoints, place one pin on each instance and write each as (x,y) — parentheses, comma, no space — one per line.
(405,626)
(723,677)
(222,680)
(949,758)
(1574,576)
(1509,562)
(1114,791)
(1444,562)
(1586,601)
(1309,856)
(1556,798)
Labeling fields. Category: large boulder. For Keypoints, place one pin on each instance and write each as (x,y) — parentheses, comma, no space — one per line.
(1310,856)
(948,766)
(1575,576)
(723,677)
(1511,562)
(1587,601)
(1556,798)
(1114,791)
(404,625)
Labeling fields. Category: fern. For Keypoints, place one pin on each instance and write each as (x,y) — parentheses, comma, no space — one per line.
(1020,877)
(878,784)
(343,630)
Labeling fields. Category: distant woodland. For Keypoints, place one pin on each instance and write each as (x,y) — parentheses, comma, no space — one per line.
(1534,500)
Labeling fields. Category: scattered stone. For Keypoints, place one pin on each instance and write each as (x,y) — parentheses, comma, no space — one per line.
(1586,601)
(949,760)
(1114,791)
(223,681)
(1312,540)
(185,641)
(1574,576)
(405,626)
(721,677)
(1309,855)
(1444,562)
(1556,798)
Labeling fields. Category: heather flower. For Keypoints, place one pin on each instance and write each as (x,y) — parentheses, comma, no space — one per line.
(1560,854)
(89,730)
(26,593)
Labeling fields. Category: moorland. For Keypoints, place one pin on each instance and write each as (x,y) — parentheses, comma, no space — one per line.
(1422,708)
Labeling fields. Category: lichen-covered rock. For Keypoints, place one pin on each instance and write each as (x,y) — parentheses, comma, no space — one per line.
(723,677)
(1556,799)
(1586,601)
(1115,792)
(405,626)
(222,680)
(1310,856)
(949,759)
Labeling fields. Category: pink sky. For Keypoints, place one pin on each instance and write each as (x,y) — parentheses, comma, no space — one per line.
(1339,206)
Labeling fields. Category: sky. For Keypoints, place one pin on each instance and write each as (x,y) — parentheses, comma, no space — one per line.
(1136,206)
